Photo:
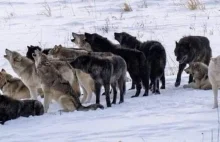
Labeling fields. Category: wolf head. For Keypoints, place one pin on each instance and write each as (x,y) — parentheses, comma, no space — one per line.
(4,77)
(98,43)
(78,39)
(54,52)
(126,40)
(82,63)
(39,58)
(183,52)
(197,69)
(31,50)
(17,61)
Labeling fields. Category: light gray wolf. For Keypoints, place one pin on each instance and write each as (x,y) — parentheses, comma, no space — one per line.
(25,68)
(13,87)
(199,72)
(191,49)
(106,71)
(214,77)
(11,108)
(55,87)
(79,40)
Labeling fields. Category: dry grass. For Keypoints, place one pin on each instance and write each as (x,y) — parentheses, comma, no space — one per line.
(127,7)
(195,4)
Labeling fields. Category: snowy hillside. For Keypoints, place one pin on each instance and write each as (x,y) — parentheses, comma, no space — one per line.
(177,115)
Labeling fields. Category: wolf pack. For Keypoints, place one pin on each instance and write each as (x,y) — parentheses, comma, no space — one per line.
(60,73)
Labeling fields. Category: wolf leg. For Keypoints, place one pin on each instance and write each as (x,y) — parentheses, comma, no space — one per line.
(107,97)
(46,98)
(178,79)
(97,92)
(33,92)
(114,93)
(66,104)
(190,78)
(122,88)
(215,91)
(132,85)
(85,95)
(163,81)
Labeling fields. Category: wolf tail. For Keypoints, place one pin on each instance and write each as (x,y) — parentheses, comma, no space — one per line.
(90,107)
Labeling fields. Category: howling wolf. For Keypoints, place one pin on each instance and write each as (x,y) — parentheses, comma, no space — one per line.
(56,87)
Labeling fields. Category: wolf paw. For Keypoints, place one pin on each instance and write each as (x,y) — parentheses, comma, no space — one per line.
(162,87)
(177,84)
(121,102)
(215,106)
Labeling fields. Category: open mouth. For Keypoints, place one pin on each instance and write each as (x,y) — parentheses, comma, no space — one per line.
(73,39)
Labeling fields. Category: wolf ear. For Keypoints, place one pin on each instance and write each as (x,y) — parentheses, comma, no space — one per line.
(3,70)
(176,43)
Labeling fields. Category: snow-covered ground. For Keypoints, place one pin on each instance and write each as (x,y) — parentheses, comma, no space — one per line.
(177,115)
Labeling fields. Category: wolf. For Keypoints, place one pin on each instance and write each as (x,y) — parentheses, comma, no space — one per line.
(25,68)
(155,54)
(55,87)
(106,71)
(11,108)
(214,77)
(199,71)
(13,87)
(31,50)
(79,40)
(137,64)
(191,49)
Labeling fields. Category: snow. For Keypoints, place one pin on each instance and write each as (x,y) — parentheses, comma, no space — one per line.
(177,115)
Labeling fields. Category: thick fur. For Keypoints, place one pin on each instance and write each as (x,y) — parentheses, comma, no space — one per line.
(214,77)
(191,49)
(11,108)
(13,87)
(154,52)
(25,68)
(55,87)
(31,50)
(199,71)
(137,64)
(79,40)
(106,71)
(85,80)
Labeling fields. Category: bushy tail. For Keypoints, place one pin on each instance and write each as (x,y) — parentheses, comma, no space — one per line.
(90,107)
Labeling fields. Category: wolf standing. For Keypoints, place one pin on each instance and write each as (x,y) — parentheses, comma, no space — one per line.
(191,49)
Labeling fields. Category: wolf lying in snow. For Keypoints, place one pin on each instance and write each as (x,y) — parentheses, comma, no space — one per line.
(199,71)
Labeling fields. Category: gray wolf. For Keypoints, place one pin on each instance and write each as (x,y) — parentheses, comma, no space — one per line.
(106,71)
(11,108)
(55,87)
(191,49)
(25,68)
(199,71)
(154,52)
(137,64)
(13,87)
(79,40)
(214,77)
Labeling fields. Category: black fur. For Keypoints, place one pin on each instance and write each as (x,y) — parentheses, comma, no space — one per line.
(154,52)
(191,49)
(12,109)
(106,71)
(31,50)
(137,64)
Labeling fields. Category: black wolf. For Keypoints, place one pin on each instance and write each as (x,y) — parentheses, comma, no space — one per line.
(191,49)
(154,52)
(31,50)
(137,64)
(12,109)
(106,71)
